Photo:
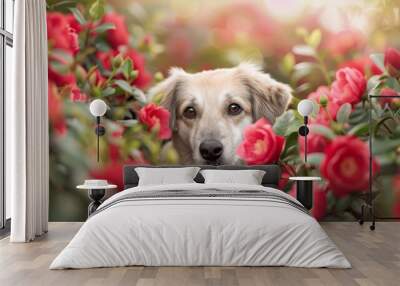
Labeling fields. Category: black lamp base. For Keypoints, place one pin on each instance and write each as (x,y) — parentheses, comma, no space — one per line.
(303,130)
(305,193)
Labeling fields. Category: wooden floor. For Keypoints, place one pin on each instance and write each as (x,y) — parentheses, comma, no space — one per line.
(375,257)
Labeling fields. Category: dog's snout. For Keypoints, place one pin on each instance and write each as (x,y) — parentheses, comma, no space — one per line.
(211,150)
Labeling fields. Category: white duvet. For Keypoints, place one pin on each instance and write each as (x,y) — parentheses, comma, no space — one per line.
(204,231)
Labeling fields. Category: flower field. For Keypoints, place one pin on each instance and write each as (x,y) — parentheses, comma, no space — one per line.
(116,50)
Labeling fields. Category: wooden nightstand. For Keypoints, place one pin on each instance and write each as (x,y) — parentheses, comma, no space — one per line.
(305,190)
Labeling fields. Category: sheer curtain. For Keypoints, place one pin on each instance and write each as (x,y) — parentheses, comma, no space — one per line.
(27,158)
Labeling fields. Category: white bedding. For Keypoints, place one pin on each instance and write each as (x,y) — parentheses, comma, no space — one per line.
(183,231)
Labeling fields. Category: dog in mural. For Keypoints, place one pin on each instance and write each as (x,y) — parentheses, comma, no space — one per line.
(210,109)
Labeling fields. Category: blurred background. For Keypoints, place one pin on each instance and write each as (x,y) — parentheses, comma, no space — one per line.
(302,43)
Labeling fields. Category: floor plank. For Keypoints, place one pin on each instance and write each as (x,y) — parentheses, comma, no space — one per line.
(375,257)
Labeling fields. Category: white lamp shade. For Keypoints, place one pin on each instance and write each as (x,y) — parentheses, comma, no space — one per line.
(305,107)
(98,107)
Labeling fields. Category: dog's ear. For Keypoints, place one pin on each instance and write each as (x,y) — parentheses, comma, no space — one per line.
(270,97)
(167,90)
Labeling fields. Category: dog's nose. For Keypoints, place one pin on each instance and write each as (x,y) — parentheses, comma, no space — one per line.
(211,150)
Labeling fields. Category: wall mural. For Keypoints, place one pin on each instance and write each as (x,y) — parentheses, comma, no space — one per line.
(217,108)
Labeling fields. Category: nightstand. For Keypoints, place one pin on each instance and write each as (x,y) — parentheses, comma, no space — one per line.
(96,193)
(305,190)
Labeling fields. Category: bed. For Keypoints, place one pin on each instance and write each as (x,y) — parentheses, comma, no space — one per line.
(199,224)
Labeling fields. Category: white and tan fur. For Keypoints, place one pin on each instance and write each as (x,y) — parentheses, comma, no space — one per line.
(211,93)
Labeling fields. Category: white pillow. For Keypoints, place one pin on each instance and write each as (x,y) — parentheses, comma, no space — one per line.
(248,177)
(163,176)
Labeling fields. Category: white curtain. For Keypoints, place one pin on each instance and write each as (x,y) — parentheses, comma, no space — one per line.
(27,143)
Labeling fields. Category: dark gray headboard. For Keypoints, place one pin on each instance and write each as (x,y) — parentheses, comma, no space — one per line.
(271,178)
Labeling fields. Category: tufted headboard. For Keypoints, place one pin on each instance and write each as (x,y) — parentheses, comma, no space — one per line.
(271,178)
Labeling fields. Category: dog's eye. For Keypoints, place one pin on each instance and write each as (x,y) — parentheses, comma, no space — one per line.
(234,109)
(189,112)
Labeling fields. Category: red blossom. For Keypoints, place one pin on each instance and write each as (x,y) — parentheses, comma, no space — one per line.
(77,95)
(60,34)
(328,113)
(363,64)
(348,87)
(119,36)
(345,42)
(388,92)
(346,165)
(392,61)
(73,23)
(320,202)
(56,117)
(260,144)
(61,79)
(156,118)
(316,143)
(143,78)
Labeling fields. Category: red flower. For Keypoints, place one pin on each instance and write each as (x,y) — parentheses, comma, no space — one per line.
(316,143)
(73,23)
(156,117)
(396,209)
(364,65)
(76,95)
(112,172)
(332,107)
(61,79)
(346,165)
(260,145)
(60,34)
(320,202)
(348,87)
(396,190)
(143,78)
(118,36)
(392,61)
(345,42)
(388,92)
(287,171)
(56,118)
(396,186)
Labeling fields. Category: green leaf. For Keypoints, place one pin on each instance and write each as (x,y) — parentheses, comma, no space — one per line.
(342,204)
(384,146)
(108,91)
(315,158)
(139,95)
(379,60)
(129,122)
(314,39)
(78,15)
(62,57)
(359,129)
(373,83)
(393,83)
(96,10)
(104,27)
(102,46)
(343,113)
(286,124)
(303,69)
(304,50)
(127,68)
(288,63)
(322,130)
(125,86)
